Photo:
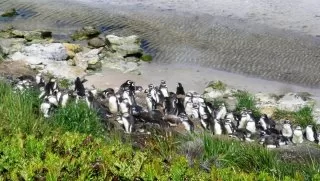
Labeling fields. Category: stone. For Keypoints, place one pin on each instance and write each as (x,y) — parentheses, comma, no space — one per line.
(32,35)
(121,65)
(96,42)
(293,102)
(83,60)
(86,32)
(51,51)
(18,34)
(72,49)
(12,45)
(9,13)
(2,55)
(125,46)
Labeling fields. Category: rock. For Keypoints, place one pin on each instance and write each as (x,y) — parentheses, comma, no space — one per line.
(12,45)
(32,35)
(72,49)
(9,13)
(293,102)
(125,46)
(6,31)
(2,55)
(121,65)
(52,51)
(85,33)
(97,42)
(89,60)
(316,115)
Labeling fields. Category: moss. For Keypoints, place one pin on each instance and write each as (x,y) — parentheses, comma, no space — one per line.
(146,58)
(85,33)
(218,85)
(10,13)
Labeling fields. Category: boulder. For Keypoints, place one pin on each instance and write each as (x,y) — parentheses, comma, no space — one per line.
(51,51)
(2,55)
(121,65)
(85,33)
(97,42)
(10,13)
(125,46)
(89,60)
(293,102)
(31,35)
(72,49)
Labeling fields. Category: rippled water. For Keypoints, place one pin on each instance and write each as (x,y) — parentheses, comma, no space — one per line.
(192,39)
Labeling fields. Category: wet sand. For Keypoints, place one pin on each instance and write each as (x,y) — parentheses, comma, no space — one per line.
(194,42)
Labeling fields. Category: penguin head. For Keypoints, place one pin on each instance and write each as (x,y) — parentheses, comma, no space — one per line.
(150,86)
(179,84)
(309,126)
(298,128)
(189,94)
(129,82)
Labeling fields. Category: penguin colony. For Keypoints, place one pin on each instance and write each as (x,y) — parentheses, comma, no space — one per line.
(131,107)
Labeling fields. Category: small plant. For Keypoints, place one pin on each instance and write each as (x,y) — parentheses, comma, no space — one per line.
(64,83)
(218,85)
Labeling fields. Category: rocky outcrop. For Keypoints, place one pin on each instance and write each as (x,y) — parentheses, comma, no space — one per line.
(85,33)
(72,49)
(89,60)
(31,35)
(125,46)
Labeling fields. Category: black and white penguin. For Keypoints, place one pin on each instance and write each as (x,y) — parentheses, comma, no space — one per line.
(251,125)
(154,94)
(217,127)
(128,122)
(205,116)
(79,87)
(188,108)
(188,98)
(126,94)
(222,112)
(125,106)
(310,133)
(270,141)
(228,126)
(287,130)
(180,89)
(40,80)
(45,108)
(163,89)
(128,83)
(113,103)
(63,97)
(187,123)
(297,136)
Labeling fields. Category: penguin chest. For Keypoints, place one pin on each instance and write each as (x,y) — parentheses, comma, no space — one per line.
(242,122)
(64,100)
(217,128)
(297,137)
(263,124)
(149,104)
(221,114)
(164,92)
(113,105)
(124,108)
(251,126)
(287,131)
(187,125)
(228,128)
(189,108)
(310,134)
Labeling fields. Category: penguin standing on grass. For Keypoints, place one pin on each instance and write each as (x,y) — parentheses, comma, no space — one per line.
(297,137)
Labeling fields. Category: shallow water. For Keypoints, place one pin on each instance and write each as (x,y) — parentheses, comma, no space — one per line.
(192,39)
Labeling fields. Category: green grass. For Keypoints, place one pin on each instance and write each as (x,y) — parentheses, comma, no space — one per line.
(303,117)
(72,145)
(246,100)
(218,85)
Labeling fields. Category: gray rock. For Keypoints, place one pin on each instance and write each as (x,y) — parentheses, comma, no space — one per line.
(121,65)
(293,102)
(97,42)
(52,51)
(89,60)
(12,45)
(125,46)
(31,35)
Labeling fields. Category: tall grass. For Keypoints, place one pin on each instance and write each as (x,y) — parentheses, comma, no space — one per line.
(254,158)
(303,117)
(246,100)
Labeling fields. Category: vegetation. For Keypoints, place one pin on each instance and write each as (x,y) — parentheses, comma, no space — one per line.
(218,85)
(71,145)
(246,100)
(303,117)
(146,58)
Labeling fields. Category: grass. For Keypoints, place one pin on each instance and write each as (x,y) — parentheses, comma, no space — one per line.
(72,146)
(246,100)
(303,117)
(218,85)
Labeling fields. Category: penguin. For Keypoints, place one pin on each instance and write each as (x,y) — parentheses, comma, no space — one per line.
(204,115)
(243,119)
(125,106)
(222,112)
(163,89)
(127,83)
(251,126)
(195,111)
(310,134)
(187,123)
(270,141)
(189,108)
(217,127)
(113,103)
(228,126)
(45,108)
(150,102)
(79,87)
(180,89)
(40,80)
(154,94)
(128,122)
(127,95)
(63,98)
(287,130)
(188,98)
(297,137)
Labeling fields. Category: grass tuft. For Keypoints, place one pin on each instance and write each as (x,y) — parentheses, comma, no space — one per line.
(303,117)
(248,101)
